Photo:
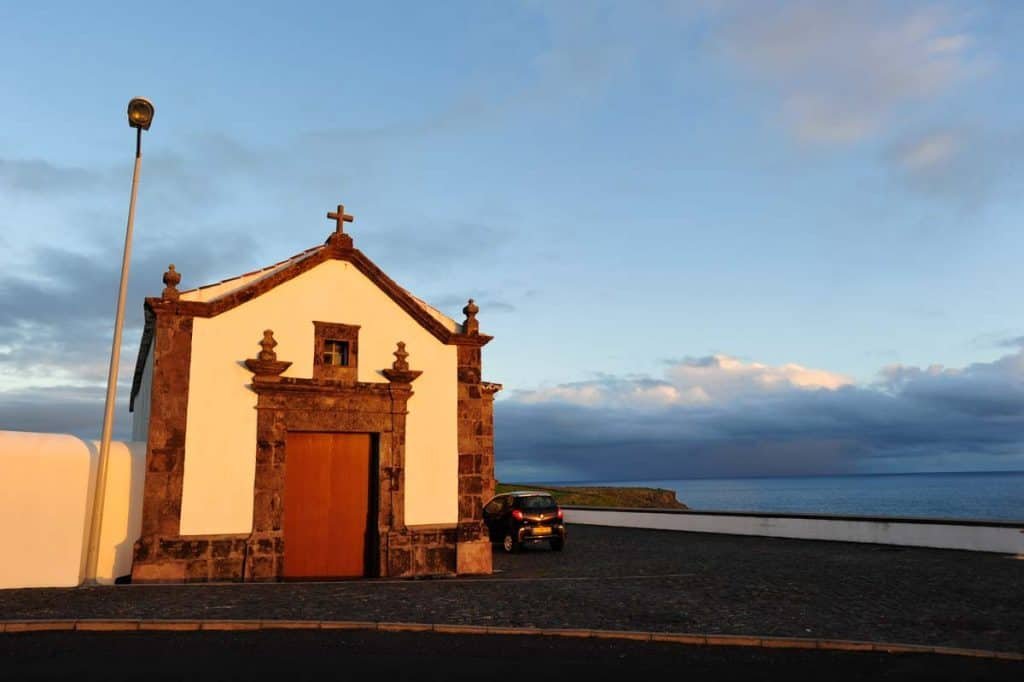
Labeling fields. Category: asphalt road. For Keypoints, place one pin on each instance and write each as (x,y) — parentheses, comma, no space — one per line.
(301,655)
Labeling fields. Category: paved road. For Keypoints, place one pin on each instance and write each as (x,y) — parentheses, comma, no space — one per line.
(625,579)
(300,655)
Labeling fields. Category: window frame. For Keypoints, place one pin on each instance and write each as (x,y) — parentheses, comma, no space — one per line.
(324,332)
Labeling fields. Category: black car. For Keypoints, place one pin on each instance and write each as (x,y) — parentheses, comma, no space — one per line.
(525,517)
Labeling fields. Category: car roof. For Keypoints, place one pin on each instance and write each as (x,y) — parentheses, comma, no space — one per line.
(527,493)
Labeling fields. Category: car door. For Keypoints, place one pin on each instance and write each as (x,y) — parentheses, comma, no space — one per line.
(492,515)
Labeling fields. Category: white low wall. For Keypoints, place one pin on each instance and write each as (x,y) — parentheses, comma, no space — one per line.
(979,536)
(47,484)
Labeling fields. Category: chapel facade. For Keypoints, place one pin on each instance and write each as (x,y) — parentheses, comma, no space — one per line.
(311,420)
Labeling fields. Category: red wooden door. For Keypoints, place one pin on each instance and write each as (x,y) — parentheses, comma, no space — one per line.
(327,505)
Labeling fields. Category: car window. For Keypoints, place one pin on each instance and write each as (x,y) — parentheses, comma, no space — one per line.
(494,506)
(537,502)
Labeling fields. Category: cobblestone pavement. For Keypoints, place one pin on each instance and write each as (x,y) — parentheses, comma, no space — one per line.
(628,579)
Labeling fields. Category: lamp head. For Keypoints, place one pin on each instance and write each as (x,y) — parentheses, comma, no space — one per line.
(140,113)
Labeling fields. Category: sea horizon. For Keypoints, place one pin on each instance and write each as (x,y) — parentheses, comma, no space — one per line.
(617,481)
(975,495)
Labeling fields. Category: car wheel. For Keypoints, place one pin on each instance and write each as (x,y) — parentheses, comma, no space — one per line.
(510,544)
(557,544)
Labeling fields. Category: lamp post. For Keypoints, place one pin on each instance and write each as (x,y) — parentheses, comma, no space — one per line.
(140,116)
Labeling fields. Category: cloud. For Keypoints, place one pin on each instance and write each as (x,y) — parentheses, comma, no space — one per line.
(1014,342)
(929,152)
(721,376)
(721,416)
(613,392)
(964,165)
(694,381)
(71,409)
(587,47)
(56,322)
(62,254)
(35,176)
(431,248)
(841,72)
(486,300)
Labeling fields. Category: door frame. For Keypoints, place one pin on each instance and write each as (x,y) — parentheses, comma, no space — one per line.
(292,404)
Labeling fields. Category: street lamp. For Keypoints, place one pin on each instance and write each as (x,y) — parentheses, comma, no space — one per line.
(140,116)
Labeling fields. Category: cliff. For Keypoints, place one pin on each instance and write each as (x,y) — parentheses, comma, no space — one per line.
(599,496)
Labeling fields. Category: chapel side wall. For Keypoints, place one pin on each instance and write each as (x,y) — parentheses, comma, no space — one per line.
(140,415)
(220,441)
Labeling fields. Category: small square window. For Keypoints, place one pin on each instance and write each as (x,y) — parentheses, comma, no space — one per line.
(336,353)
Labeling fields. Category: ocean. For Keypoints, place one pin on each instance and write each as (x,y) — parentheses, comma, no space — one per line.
(962,495)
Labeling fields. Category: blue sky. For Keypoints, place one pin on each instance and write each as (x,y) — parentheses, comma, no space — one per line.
(772,237)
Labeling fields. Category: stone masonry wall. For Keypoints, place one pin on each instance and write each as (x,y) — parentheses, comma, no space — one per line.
(165,448)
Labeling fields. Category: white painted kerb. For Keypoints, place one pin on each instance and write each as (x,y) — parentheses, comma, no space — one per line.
(975,536)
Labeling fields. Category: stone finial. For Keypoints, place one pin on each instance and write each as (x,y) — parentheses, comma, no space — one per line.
(267,344)
(400,364)
(171,279)
(471,326)
(265,366)
(399,372)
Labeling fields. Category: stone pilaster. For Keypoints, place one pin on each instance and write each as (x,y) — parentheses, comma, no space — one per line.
(266,542)
(487,439)
(474,547)
(165,447)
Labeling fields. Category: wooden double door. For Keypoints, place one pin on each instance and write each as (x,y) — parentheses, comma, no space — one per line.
(329,505)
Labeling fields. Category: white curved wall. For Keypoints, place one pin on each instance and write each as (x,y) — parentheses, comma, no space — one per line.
(939,533)
(47,482)
(220,440)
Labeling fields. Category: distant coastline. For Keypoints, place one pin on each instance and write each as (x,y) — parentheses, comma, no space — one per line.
(603,495)
(618,482)
(980,495)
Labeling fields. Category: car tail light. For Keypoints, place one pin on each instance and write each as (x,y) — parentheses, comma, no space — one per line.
(560,514)
(517,515)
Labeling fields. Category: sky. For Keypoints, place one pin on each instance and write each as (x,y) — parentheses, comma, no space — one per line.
(710,238)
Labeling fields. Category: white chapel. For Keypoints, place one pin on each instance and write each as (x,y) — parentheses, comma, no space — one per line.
(312,419)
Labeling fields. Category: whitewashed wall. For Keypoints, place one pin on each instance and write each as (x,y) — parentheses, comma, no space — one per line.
(220,440)
(47,483)
(947,534)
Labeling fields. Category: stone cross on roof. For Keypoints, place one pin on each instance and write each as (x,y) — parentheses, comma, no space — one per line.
(340,217)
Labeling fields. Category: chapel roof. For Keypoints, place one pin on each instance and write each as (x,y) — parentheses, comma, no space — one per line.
(212,299)
(211,292)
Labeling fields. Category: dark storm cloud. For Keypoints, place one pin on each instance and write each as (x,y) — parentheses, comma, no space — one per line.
(56,325)
(71,295)
(60,409)
(758,427)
